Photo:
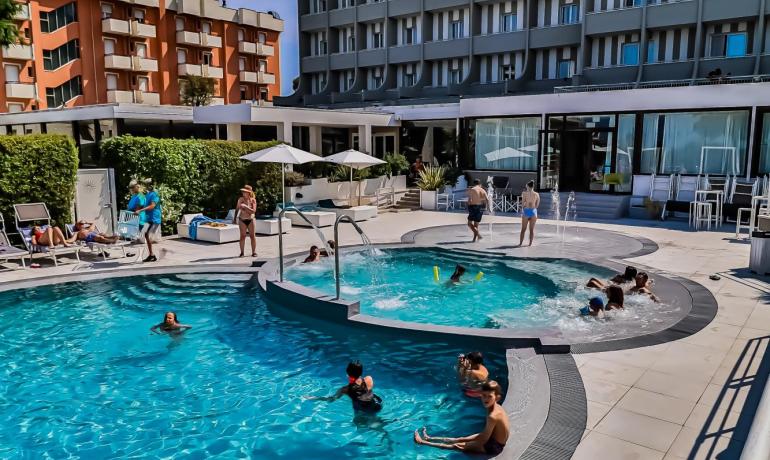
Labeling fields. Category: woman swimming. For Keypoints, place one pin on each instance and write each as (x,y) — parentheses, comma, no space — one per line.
(170,325)
(359,389)
(456,277)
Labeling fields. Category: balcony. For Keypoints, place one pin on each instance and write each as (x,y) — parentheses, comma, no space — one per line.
(448,49)
(217,101)
(667,15)
(23,13)
(403,8)
(311,22)
(200,70)
(117,62)
(310,64)
(133,97)
(20,52)
(265,21)
(150,3)
(202,39)
(373,12)
(260,78)
(342,17)
(606,75)
(140,64)
(340,61)
(500,43)
(722,10)
(20,90)
(613,22)
(556,36)
(123,27)
(259,49)
(247,77)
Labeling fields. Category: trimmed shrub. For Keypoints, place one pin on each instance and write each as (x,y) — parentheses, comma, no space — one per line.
(38,168)
(197,175)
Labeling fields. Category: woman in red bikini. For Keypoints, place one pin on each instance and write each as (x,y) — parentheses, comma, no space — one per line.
(48,236)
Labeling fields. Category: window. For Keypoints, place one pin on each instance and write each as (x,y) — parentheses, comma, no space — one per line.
(730,45)
(15,107)
(206,58)
(377,40)
(241,35)
(317,6)
(495,134)
(58,18)
(143,84)
(12,72)
(262,94)
(244,94)
(261,37)
(409,36)
(508,22)
(112,81)
(206,27)
(632,3)
(346,3)
(458,29)
(565,69)
(61,94)
(507,72)
(652,51)
(140,50)
(630,54)
(181,56)
(455,76)
(55,58)
(377,81)
(106,10)
(262,65)
(138,15)
(408,80)
(241,64)
(570,14)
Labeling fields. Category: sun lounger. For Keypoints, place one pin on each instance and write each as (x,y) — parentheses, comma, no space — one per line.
(196,230)
(357,213)
(101,248)
(8,251)
(26,215)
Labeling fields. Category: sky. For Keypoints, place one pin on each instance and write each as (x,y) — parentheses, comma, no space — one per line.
(289,46)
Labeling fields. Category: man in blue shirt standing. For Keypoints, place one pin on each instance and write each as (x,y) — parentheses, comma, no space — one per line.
(152,217)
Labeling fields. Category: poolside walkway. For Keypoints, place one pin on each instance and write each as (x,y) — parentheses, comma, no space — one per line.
(680,400)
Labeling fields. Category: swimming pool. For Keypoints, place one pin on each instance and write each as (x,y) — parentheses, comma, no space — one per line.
(398,283)
(84,377)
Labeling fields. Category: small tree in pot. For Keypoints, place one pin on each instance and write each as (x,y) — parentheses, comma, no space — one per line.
(430,181)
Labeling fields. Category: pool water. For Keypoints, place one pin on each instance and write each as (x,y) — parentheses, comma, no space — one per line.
(83,377)
(512,293)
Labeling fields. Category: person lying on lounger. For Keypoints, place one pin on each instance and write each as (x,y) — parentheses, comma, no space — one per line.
(86,231)
(49,236)
(621,278)
(491,441)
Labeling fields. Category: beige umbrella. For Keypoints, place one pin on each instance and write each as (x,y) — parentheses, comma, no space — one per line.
(284,154)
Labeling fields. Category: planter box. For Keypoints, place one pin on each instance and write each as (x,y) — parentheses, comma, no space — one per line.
(428,199)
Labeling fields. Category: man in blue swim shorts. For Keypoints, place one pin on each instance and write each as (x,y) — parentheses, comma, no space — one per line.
(87,231)
(530,201)
(477,201)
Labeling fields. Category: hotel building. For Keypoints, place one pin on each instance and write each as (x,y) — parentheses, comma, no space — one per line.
(88,52)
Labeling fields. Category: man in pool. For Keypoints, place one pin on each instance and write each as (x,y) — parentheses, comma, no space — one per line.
(621,278)
(472,373)
(642,286)
(313,256)
(491,441)
(170,325)
(477,201)
(359,389)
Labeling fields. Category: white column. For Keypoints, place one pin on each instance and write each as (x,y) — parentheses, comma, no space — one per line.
(365,138)
(284,132)
(315,140)
(233,132)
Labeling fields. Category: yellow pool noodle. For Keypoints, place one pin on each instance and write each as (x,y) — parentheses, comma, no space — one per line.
(479,275)
(435,273)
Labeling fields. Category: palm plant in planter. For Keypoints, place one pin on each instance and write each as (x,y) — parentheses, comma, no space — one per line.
(431,180)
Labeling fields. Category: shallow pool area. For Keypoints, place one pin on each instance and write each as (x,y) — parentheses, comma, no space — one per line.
(496,292)
(85,377)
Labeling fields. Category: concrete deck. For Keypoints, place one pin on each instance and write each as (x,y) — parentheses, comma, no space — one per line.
(689,399)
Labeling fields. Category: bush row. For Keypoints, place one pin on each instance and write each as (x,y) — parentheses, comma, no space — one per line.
(38,168)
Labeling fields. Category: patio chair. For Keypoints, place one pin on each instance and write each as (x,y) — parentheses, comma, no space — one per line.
(661,190)
(100,248)
(446,198)
(7,250)
(741,201)
(683,199)
(719,183)
(29,213)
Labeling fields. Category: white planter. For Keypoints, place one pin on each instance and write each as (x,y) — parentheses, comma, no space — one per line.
(428,199)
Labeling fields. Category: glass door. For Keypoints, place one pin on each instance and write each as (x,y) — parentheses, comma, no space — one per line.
(550,159)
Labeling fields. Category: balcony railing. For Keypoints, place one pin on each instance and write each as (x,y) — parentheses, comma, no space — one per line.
(663,84)
(150,3)
(264,78)
(134,63)
(21,52)
(259,49)
(20,90)
(203,39)
(133,97)
(200,70)
(131,27)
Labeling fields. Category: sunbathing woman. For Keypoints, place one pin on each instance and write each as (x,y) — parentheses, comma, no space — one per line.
(170,325)
(491,441)
(621,278)
(49,236)
(86,231)
(642,286)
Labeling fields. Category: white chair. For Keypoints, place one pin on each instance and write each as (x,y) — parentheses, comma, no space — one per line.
(702,214)
(642,189)
(445,199)
(661,190)
(28,213)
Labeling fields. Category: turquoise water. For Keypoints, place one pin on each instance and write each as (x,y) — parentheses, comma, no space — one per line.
(83,378)
(399,284)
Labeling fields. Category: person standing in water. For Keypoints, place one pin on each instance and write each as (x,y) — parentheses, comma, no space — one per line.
(477,200)
(491,441)
(530,200)
(359,389)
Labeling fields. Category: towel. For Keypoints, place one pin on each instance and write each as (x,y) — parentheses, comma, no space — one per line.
(197,220)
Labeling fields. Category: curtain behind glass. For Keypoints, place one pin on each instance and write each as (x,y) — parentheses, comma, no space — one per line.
(650,149)
(704,142)
(624,157)
(507,143)
(764,147)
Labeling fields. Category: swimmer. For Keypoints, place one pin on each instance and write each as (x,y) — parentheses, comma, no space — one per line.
(456,277)
(642,286)
(491,441)
(472,373)
(621,278)
(170,324)
(314,256)
(595,308)
(615,298)
(358,389)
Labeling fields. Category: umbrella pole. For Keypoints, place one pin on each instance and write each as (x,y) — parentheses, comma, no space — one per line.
(350,189)
(283,186)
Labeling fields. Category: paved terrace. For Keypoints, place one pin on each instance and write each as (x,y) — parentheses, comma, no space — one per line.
(680,400)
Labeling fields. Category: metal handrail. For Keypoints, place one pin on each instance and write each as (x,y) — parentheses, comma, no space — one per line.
(341,218)
(280,233)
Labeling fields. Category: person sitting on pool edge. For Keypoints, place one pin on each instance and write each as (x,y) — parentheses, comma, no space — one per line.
(358,389)
(490,441)
(615,298)
(472,373)
(642,286)
(170,324)
(621,278)
(456,277)
(314,256)
(595,307)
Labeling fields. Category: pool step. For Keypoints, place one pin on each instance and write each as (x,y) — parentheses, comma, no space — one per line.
(410,200)
(589,206)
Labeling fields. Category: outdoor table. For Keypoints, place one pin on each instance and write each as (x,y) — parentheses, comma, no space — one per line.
(703,195)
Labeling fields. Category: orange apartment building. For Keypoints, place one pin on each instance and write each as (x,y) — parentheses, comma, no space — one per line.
(85,52)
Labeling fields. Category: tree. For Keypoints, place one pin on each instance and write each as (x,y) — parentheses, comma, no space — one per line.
(9,33)
(196,91)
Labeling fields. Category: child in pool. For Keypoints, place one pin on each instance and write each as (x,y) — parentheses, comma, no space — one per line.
(359,389)
(456,277)
(472,373)
(491,441)
(595,308)
(170,325)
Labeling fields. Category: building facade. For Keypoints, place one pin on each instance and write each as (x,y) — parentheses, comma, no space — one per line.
(86,52)
(399,51)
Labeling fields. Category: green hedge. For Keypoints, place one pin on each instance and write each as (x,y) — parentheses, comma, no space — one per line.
(193,175)
(38,168)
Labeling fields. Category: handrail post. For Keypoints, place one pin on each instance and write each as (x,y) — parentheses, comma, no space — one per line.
(341,218)
(280,233)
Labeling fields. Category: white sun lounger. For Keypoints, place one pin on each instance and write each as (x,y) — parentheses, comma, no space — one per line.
(100,248)
(8,251)
(38,212)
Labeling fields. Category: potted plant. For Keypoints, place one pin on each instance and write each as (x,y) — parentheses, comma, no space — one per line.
(431,180)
